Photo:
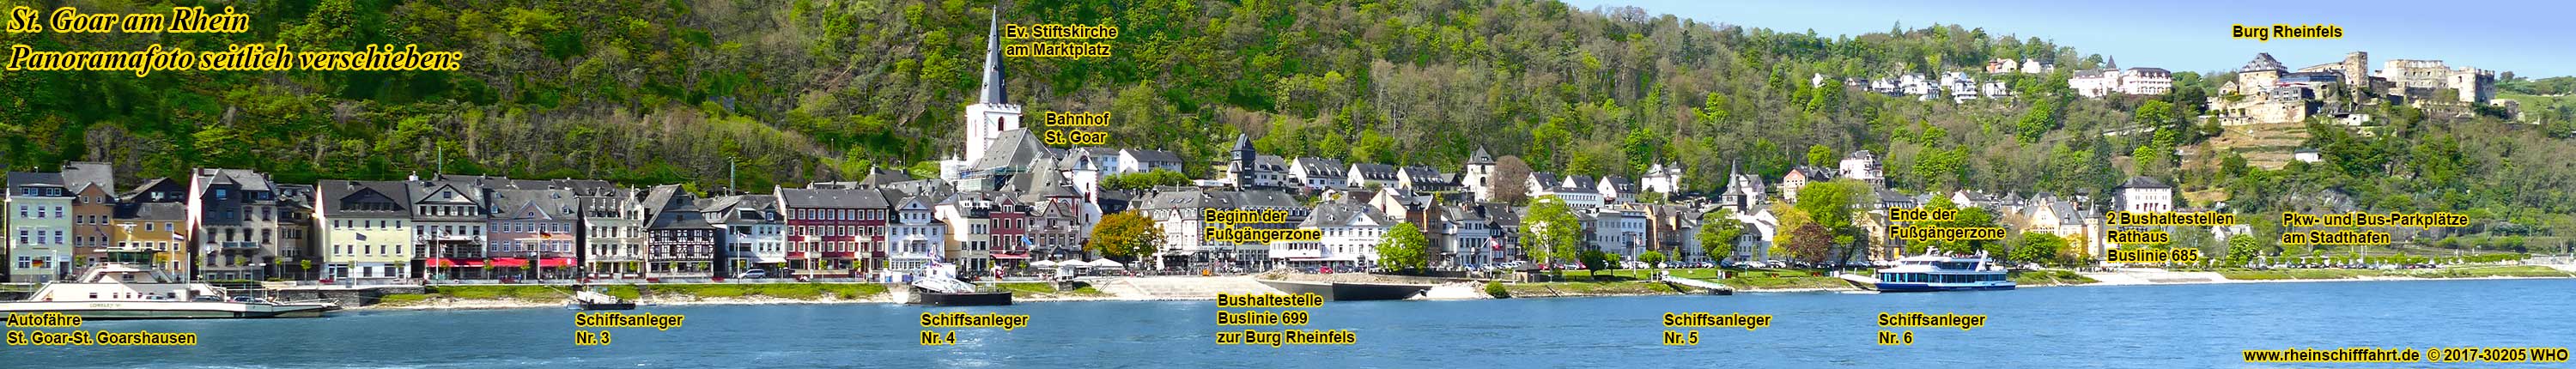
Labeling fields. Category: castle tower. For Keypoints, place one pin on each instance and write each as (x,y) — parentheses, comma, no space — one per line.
(2356,70)
(1239,169)
(993,112)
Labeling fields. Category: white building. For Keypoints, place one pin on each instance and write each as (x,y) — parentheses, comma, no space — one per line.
(2143,194)
(40,227)
(916,235)
(1863,165)
(1619,230)
(2132,81)
(1320,173)
(1577,191)
(1350,232)
(1661,178)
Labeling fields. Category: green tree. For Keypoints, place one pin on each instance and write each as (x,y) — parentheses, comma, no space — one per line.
(1125,235)
(1404,249)
(2038,248)
(1653,259)
(2242,249)
(1830,204)
(1595,261)
(1550,233)
(1821,156)
(1144,180)
(1717,233)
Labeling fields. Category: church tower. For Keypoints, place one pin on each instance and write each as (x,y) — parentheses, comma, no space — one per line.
(1480,174)
(993,112)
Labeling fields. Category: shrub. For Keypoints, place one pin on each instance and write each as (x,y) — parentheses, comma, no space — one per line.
(1496,289)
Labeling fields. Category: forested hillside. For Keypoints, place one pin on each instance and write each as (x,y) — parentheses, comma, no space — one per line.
(801,90)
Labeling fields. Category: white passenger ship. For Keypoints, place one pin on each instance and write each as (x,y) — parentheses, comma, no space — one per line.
(127,287)
(1927,273)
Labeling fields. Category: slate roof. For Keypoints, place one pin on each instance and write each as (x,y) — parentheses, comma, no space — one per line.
(742,208)
(1270,163)
(1343,214)
(1322,168)
(1375,172)
(35,179)
(248,180)
(1014,149)
(1428,175)
(1621,183)
(2261,62)
(81,175)
(1152,156)
(337,194)
(880,177)
(833,198)
(550,204)
(2144,182)
(680,219)
(163,211)
(1581,183)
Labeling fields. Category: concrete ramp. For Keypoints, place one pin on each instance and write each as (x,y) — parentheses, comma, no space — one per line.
(1700,284)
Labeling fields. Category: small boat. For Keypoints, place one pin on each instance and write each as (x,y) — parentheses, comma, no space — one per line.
(1928,273)
(128,287)
(942,291)
(585,299)
(1350,291)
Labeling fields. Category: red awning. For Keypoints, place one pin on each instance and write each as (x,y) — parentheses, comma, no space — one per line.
(796,254)
(839,255)
(451,263)
(998,255)
(554,262)
(509,262)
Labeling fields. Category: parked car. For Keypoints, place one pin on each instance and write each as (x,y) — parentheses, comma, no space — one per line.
(754,273)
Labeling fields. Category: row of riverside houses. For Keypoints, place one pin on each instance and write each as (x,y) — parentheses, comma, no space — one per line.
(229,224)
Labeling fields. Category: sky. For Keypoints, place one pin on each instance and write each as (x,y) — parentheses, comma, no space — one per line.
(2531,39)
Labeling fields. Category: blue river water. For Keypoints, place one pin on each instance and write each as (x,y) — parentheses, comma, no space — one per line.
(2192,326)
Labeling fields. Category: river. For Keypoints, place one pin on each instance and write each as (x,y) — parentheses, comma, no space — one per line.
(2060,327)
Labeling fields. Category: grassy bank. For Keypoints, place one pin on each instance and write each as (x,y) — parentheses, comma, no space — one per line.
(1562,289)
(2050,278)
(559,294)
(2468,272)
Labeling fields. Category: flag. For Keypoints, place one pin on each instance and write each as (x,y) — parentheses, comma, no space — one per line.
(178,237)
(1497,242)
(1025,240)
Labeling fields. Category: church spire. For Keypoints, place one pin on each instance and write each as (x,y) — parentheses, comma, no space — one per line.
(993,61)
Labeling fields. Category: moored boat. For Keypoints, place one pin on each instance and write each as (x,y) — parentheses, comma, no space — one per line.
(127,287)
(1929,273)
(1349,291)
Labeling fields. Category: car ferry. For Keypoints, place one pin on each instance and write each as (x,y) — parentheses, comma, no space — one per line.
(127,287)
(1928,273)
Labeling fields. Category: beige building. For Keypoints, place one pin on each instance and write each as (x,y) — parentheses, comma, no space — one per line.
(365,229)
